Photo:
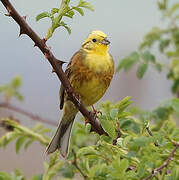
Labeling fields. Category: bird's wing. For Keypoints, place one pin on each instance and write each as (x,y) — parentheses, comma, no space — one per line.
(69,70)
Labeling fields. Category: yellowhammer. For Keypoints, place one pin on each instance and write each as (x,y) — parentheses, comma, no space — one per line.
(90,72)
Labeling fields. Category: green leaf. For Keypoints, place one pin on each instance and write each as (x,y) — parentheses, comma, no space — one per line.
(70,14)
(162,5)
(151,37)
(125,123)
(141,141)
(7,138)
(123,104)
(19,143)
(4,176)
(172,53)
(161,113)
(42,15)
(114,113)
(148,56)
(88,128)
(128,61)
(124,164)
(3,88)
(38,177)
(164,43)
(173,9)
(79,10)
(67,171)
(16,82)
(128,124)
(108,125)
(54,10)
(141,70)
(85,5)
(84,151)
(44,130)
(28,143)
(65,26)
(18,96)
(68,29)
(158,67)
(175,104)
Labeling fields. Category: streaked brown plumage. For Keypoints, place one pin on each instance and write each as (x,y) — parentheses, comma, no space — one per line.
(90,72)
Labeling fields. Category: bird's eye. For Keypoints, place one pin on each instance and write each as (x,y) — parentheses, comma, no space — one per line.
(94,40)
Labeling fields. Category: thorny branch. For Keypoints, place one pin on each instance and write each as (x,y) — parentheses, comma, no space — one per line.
(26,113)
(165,164)
(41,44)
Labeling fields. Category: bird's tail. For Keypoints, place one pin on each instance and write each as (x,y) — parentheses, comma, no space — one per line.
(62,136)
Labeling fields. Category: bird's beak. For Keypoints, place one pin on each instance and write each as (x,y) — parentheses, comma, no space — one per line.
(105,41)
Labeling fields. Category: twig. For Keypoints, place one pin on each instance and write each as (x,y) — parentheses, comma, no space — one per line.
(6,126)
(29,114)
(118,134)
(150,133)
(41,44)
(76,165)
(165,164)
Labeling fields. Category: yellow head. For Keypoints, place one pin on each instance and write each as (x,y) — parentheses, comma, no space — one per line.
(96,42)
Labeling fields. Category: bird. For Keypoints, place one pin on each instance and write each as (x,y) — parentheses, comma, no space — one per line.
(90,72)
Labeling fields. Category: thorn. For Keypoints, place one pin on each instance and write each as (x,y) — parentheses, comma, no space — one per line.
(7,14)
(24,17)
(53,70)
(21,32)
(44,40)
(46,55)
(9,11)
(59,62)
(63,62)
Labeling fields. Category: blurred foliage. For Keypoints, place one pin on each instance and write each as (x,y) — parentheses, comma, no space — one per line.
(166,40)
(134,156)
(144,139)
(66,10)
(24,136)
(12,89)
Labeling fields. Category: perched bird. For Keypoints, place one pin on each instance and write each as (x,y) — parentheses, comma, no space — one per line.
(90,72)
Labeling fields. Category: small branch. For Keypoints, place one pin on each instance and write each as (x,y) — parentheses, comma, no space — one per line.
(26,132)
(6,126)
(150,133)
(41,44)
(75,163)
(165,164)
(118,134)
(29,114)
